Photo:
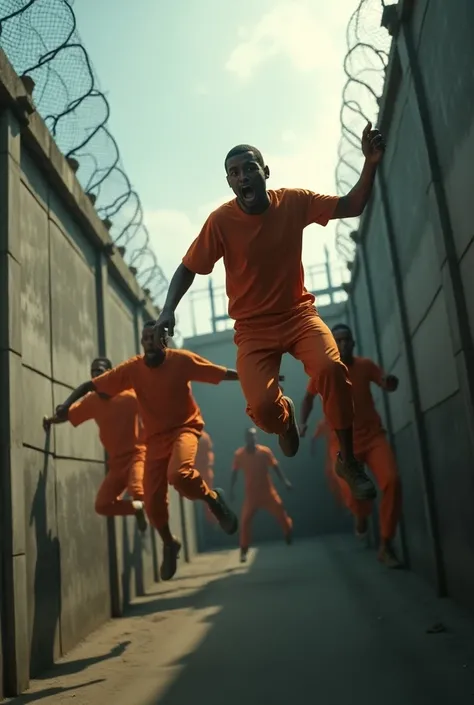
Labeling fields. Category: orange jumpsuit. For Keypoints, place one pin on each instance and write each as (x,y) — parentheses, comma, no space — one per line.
(370,447)
(260,492)
(172,423)
(274,312)
(120,434)
(205,467)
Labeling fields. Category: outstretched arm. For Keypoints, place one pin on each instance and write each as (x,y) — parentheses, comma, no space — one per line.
(230,375)
(48,421)
(387,382)
(233,376)
(110,383)
(80,411)
(282,477)
(62,410)
(200,258)
(233,480)
(390,383)
(322,430)
(199,369)
(234,473)
(305,412)
(179,286)
(353,204)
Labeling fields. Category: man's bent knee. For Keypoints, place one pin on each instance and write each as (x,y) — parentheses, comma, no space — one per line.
(331,370)
(102,507)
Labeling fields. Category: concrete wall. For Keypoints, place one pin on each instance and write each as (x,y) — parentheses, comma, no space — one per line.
(311,504)
(412,290)
(65,298)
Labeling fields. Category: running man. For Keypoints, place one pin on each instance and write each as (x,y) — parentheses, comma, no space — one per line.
(259,235)
(204,464)
(255,461)
(172,424)
(121,436)
(370,444)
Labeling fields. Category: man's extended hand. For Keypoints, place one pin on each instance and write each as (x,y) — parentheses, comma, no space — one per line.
(391,383)
(164,328)
(48,421)
(303,429)
(373,144)
(61,413)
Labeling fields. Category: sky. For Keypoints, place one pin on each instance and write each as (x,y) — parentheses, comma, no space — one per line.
(188,80)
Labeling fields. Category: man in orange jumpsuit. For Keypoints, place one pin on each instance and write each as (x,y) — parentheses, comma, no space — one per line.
(259,235)
(205,466)
(120,433)
(255,461)
(172,422)
(370,443)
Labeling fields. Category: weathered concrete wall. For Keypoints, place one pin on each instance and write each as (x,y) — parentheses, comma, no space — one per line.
(415,255)
(65,299)
(311,504)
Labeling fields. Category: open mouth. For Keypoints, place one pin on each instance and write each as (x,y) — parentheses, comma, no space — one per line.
(248,194)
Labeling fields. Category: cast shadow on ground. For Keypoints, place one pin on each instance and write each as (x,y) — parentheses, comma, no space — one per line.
(272,629)
(50,692)
(69,668)
(200,576)
(172,599)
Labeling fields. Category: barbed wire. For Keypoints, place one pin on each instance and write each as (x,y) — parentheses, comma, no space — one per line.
(368,46)
(41,40)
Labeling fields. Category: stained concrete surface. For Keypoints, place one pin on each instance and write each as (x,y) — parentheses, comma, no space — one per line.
(319,621)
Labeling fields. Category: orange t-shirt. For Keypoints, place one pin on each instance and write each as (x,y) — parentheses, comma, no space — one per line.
(262,253)
(117,420)
(165,400)
(256,465)
(367,422)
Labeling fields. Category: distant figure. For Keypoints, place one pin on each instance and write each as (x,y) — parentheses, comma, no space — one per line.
(205,466)
(120,433)
(172,421)
(256,461)
(370,444)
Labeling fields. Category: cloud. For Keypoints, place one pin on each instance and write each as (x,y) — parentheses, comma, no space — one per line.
(292,29)
(201,89)
(171,233)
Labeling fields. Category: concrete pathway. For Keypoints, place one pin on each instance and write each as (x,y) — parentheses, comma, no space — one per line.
(318,622)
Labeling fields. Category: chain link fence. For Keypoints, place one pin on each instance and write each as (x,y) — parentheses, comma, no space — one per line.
(41,40)
(368,46)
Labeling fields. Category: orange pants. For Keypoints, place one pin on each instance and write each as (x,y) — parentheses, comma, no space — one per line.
(379,458)
(272,503)
(177,469)
(261,344)
(125,473)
